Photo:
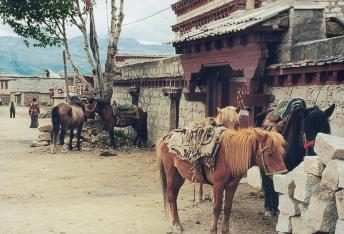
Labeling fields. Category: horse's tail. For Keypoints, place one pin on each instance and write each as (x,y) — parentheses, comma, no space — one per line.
(163,179)
(55,121)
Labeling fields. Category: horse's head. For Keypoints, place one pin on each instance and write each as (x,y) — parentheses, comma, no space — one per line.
(316,121)
(270,152)
(91,107)
(229,117)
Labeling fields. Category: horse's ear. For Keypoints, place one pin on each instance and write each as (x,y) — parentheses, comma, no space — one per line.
(238,109)
(261,137)
(330,110)
(219,110)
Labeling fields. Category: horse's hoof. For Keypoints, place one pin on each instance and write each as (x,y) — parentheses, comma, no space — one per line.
(268,214)
(178,228)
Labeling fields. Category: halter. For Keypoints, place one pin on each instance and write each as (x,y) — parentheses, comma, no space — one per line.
(93,109)
(261,151)
(307,144)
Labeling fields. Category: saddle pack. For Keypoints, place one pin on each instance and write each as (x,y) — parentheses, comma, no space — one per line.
(278,119)
(197,145)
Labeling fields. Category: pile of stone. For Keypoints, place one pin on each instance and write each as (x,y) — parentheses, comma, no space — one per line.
(93,138)
(44,137)
(312,195)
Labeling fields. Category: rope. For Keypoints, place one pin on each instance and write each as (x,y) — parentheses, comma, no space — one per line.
(147,17)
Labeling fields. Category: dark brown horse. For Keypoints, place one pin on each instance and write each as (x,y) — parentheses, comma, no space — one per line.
(67,116)
(111,118)
(304,125)
(238,151)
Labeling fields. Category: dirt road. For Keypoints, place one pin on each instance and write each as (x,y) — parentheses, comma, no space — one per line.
(81,192)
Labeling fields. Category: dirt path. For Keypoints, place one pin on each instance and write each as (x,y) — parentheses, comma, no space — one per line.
(86,193)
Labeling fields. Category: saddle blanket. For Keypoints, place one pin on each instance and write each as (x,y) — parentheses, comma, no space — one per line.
(127,111)
(278,119)
(200,143)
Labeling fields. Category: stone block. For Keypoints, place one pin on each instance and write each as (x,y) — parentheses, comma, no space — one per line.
(283,224)
(329,147)
(288,205)
(331,175)
(299,226)
(321,215)
(313,165)
(285,183)
(254,178)
(339,227)
(305,184)
(45,136)
(46,128)
(340,204)
(38,144)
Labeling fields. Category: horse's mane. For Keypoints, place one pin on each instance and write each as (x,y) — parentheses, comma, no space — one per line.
(77,102)
(241,145)
(229,117)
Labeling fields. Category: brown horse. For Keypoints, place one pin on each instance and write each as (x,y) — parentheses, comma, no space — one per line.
(111,118)
(239,150)
(67,116)
(229,117)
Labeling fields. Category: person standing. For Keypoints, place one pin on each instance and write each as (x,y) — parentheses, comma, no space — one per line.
(34,112)
(12,110)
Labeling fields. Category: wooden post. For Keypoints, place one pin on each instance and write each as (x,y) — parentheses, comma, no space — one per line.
(66,75)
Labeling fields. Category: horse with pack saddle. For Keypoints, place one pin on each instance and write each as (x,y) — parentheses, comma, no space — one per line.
(120,116)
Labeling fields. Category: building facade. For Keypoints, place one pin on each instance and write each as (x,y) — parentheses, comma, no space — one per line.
(24,89)
(242,53)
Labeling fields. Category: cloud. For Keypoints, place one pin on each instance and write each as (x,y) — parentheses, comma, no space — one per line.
(156,29)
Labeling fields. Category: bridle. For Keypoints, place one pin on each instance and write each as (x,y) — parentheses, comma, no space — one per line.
(307,144)
(261,153)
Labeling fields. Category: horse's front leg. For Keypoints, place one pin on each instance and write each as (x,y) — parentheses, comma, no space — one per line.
(200,193)
(229,195)
(71,136)
(62,136)
(79,137)
(218,189)
(174,183)
(112,137)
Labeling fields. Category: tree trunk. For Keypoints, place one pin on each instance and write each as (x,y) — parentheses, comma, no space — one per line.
(83,29)
(75,68)
(110,67)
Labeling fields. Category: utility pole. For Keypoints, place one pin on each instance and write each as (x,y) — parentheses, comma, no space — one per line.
(66,75)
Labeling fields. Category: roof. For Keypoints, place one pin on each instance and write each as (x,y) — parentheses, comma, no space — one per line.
(236,22)
(127,59)
(305,63)
(35,85)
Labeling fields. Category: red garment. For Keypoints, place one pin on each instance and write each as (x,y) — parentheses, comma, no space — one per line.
(89,4)
(34,109)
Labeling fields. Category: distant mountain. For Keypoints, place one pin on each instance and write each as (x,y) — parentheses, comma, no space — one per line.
(16,58)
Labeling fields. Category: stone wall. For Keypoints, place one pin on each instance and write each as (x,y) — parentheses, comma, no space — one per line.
(312,195)
(333,8)
(326,94)
(159,110)
(167,67)
(155,104)
(190,111)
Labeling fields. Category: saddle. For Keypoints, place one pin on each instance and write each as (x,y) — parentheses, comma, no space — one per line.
(197,145)
(278,119)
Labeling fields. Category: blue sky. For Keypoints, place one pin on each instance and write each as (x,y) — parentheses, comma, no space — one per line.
(154,30)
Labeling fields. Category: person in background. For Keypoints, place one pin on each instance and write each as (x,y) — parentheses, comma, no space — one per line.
(12,110)
(34,112)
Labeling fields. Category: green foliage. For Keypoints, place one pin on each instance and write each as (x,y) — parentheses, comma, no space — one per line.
(41,20)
